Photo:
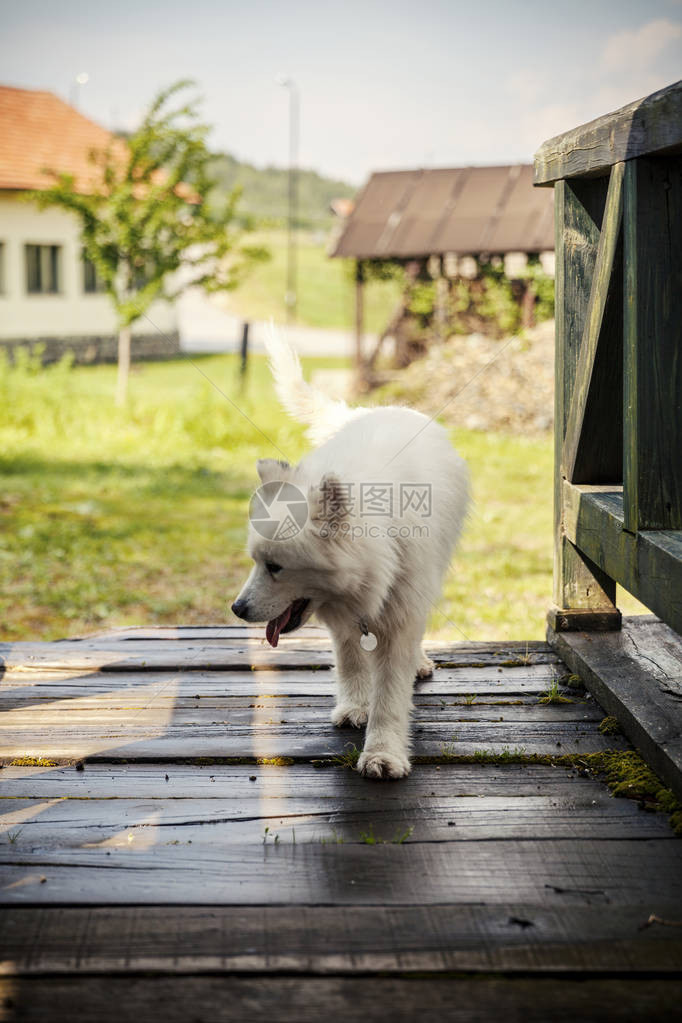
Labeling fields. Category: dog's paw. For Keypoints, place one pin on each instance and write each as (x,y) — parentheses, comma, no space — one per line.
(382,764)
(425,669)
(348,714)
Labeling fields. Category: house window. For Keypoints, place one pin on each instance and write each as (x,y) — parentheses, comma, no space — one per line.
(92,282)
(42,269)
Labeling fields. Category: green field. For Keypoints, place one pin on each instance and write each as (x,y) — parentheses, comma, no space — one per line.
(326,289)
(114,517)
(137,516)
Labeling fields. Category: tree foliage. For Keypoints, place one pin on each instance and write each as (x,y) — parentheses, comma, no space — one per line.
(147,216)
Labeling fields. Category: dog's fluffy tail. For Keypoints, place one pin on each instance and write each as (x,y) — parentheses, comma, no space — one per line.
(323,415)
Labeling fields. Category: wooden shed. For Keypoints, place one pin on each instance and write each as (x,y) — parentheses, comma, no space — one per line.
(438,215)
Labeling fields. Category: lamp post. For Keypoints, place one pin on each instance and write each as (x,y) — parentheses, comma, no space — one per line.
(80,80)
(290,297)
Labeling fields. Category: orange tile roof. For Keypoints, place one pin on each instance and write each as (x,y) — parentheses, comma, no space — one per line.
(39,132)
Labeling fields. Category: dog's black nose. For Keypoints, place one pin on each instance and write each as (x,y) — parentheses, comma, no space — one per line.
(241,608)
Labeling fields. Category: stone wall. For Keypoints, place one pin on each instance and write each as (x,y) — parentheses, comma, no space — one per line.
(93,349)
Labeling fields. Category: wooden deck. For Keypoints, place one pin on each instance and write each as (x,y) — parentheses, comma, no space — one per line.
(180,842)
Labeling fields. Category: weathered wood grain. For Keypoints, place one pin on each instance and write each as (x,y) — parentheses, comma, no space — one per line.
(637,676)
(120,823)
(645,127)
(234,781)
(154,708)
(476,682)
(155,655)
(593,445)
(579,206)
(512,937)
(653,342)
(553,872)
(648,564)
(218,632)
(169,734)
(224,999)
(237,655)
(194,745)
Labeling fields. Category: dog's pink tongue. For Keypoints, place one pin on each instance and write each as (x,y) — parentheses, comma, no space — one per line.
(274,627)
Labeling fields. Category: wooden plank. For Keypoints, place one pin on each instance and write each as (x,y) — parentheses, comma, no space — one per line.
(70,824)
(114,710)
(592,449)
(108,655)
(647,126)
(552,871)
(653,341)
(220,781)
(637,676)
(74,730)
(218,632)
(185,698)
(238,655)
(578,583)
(647,564)
(512,937)
(309,999)
(467,680)
(221,744)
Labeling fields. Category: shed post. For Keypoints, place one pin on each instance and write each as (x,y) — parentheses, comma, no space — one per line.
(441,303)
(359,312)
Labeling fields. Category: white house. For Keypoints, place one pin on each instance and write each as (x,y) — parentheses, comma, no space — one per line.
(48,293)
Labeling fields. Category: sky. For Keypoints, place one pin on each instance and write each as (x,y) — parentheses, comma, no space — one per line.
(383,83)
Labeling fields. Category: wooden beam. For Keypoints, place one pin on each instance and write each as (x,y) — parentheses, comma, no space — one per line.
(582,436)
(653,344)
(636,675)
(579,585)
(648,564)
(647,126)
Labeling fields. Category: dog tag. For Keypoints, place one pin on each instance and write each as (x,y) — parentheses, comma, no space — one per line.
(368,641)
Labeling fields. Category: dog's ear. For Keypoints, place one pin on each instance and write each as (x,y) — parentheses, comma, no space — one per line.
(329,501)
(271,469)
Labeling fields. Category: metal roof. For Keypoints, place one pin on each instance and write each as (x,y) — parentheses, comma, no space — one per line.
(463,210)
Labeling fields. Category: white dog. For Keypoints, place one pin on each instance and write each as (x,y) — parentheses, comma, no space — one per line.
(359,533)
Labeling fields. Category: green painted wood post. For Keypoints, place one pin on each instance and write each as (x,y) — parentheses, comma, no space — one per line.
(652,443)
(593,443)
(584,596)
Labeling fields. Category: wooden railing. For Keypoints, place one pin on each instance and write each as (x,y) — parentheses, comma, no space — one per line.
(618,400)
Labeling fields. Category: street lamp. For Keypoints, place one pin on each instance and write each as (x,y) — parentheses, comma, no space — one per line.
(291,293)
(82,78)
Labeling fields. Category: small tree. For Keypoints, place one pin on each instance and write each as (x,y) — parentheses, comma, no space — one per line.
(146,215)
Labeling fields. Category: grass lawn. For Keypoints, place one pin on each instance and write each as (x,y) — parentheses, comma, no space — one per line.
(138,516)
(326,296)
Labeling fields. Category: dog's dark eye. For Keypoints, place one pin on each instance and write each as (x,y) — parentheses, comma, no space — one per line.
(273,568)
